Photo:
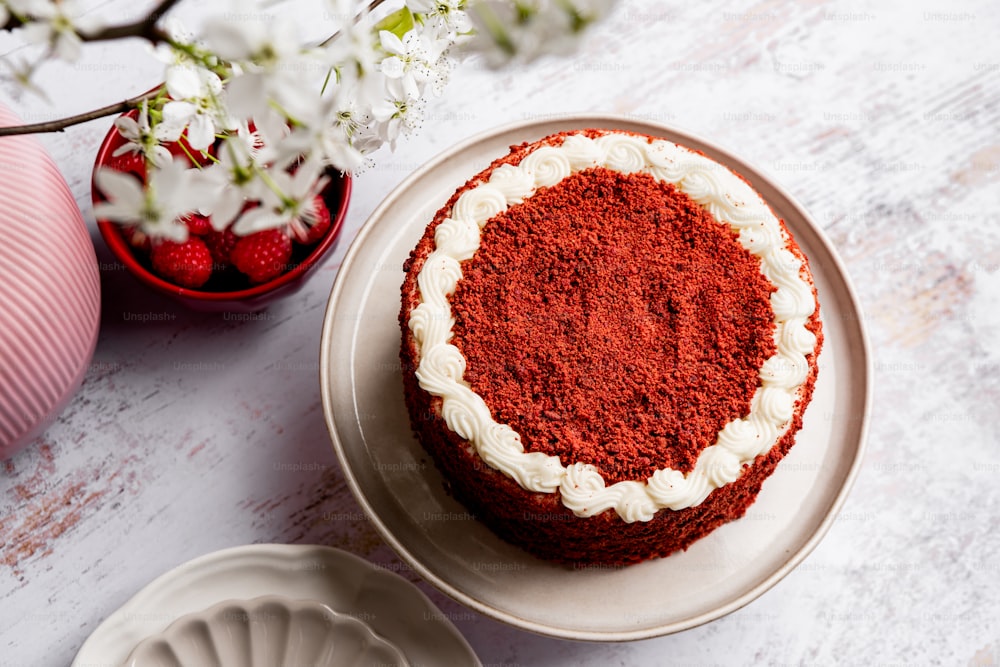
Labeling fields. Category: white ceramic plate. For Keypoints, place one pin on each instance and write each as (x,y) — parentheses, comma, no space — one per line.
(263,632)
(404,494)
(388,604)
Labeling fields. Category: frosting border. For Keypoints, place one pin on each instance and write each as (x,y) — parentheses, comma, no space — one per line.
(729,200)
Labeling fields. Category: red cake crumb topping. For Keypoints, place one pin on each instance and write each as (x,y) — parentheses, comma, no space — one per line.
(611,320)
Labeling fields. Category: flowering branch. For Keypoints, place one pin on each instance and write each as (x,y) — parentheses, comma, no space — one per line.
(253,116)
(146,28)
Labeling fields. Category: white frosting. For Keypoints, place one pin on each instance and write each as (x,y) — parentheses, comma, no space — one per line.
(582,488)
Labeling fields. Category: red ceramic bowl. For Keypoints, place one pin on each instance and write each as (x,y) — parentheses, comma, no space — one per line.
(251,298)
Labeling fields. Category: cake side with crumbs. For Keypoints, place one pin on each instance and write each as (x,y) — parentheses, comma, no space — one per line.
(608,342)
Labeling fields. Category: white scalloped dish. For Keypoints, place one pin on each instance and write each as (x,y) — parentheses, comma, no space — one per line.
(264,632)
(389,605)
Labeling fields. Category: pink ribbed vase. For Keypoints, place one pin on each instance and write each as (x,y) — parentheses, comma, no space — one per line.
(49,291)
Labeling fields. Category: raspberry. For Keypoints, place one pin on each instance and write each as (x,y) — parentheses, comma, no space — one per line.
(262,255)
(221,245)
(187,264)
(321,225)
(197,224)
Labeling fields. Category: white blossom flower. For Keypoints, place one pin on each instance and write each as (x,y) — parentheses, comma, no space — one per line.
(414,60)
(289,202)
(352,55)
(195,105)
(56,24)
(178,49)
(142,138)
(398,113)
(270,65)
(334,133)
(233,180)
(170,192)
(250,140)
(445,18)
(521,32)
(21,73)
(272,132)
(348,135)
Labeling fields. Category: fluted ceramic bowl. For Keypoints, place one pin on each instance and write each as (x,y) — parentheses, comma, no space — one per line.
(233,297)
(50,291)
(266,632)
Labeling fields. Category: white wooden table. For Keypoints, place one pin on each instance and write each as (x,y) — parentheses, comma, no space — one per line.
(195,432)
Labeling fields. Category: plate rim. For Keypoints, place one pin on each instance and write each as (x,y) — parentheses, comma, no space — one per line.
(137,605)
(728,159)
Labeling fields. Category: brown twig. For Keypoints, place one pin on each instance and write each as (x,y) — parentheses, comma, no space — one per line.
(357,18)
(62,123)
(145,27)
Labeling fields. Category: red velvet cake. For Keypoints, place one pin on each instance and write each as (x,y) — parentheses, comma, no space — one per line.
(608,344)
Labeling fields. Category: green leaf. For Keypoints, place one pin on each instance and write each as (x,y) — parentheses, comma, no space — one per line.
(398,23)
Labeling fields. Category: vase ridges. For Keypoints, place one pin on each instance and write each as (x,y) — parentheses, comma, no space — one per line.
(49,290)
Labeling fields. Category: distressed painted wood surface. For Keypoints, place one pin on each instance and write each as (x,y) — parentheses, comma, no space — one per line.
(196,432)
